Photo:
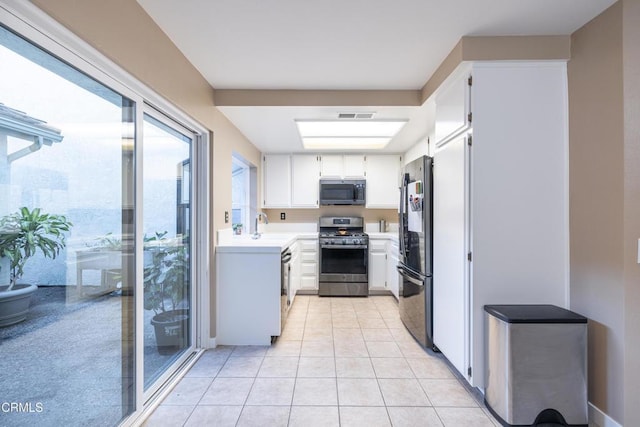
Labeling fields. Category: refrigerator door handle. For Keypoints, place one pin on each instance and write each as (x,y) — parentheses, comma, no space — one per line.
(409,276)
(401,227)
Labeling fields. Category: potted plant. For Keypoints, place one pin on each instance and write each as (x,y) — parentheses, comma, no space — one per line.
(22,235)
(165,291)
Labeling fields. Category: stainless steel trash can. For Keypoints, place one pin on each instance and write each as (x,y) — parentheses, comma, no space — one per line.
(536,365)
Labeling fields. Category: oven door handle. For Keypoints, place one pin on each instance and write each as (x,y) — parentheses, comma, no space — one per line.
(342,247)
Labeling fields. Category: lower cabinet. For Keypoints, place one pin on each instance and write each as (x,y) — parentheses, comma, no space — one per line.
(393,280)
(377,264)
(308,249)
(383,259)
(296,270)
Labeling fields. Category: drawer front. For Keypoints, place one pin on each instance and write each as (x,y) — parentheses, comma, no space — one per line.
(309,282)
(309,245)
(309,269)
(377,245)
(309,257)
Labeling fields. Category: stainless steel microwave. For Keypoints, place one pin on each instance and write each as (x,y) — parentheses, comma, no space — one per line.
(342,191)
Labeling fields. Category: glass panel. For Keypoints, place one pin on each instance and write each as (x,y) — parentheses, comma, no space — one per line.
(239,197)
(66,212)
(167,272)
(344,261)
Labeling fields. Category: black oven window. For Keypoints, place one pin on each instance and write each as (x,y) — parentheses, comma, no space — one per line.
(344,261)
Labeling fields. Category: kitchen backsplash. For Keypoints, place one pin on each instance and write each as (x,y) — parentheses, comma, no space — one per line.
(312,215)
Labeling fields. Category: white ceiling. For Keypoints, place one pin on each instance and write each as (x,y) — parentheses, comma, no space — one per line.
(341,45)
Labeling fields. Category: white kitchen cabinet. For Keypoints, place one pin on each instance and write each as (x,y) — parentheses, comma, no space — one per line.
(248,297)
(309,264)
(276,182)
(305,175)
(354,166)
(383,176)
(296,269)
(377,264)
(331,166)
(451,267)
(504,240)
(339,166)
(453,113)
(393,280)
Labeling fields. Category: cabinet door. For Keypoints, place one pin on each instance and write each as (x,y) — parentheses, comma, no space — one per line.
(276,181)
(354,166)
(450,273)
(453,109)
(392,273)
(377,264)
(309,264)
(304,181)
(331,166)
(383,175)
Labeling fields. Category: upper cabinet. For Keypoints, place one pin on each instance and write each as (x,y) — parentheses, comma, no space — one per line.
(383,178)
(354,166)
(292,180)
(276,172)
(342,166)
(305,173)
(453,111)
(331,166)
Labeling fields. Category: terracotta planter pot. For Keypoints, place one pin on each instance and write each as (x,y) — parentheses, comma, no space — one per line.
(14,304)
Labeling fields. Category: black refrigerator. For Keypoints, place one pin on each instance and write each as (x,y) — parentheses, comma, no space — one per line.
(416,249)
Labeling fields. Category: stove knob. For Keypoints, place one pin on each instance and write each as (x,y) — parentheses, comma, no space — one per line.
(344,241)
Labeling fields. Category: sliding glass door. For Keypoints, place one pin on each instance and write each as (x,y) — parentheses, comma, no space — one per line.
(167,250)
(66,202)
(96,223)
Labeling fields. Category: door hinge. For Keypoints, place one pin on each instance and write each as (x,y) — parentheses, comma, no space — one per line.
(469,256)
(469,117)
(469,140)
(469,371)
(470,81)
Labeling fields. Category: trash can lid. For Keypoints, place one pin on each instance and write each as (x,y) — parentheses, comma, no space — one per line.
(534,313)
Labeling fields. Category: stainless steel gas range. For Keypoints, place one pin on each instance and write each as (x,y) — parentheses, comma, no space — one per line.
(344,257)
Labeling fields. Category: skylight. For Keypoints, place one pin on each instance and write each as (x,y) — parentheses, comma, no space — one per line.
(347,134)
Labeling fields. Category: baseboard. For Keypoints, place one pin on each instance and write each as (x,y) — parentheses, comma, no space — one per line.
(210,343)
(600,419)
(378,292)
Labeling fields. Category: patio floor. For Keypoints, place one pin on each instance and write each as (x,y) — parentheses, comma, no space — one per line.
(64,363)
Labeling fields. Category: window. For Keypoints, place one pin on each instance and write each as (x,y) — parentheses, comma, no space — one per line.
(243,193)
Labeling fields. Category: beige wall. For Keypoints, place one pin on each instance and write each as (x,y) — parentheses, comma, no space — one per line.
(121,30)
(312,215)
(631,88)
(604,115)
(502,48)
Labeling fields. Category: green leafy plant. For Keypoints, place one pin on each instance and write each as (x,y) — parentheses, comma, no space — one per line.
(106,242)
(24,233)
(165,277)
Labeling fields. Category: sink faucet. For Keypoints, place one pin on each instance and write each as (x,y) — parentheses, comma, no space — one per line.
(262,215)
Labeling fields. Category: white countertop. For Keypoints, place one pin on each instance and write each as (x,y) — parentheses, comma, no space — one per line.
(267,243)
(390,236)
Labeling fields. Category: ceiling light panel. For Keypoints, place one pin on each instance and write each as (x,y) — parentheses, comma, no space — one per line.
(345,143)
(349,128)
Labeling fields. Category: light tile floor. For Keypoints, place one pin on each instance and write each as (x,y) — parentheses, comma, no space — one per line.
(340,362)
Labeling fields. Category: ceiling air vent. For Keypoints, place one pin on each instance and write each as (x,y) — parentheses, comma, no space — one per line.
(352,116)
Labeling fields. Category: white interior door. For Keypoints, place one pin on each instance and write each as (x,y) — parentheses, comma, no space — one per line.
(450,274)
